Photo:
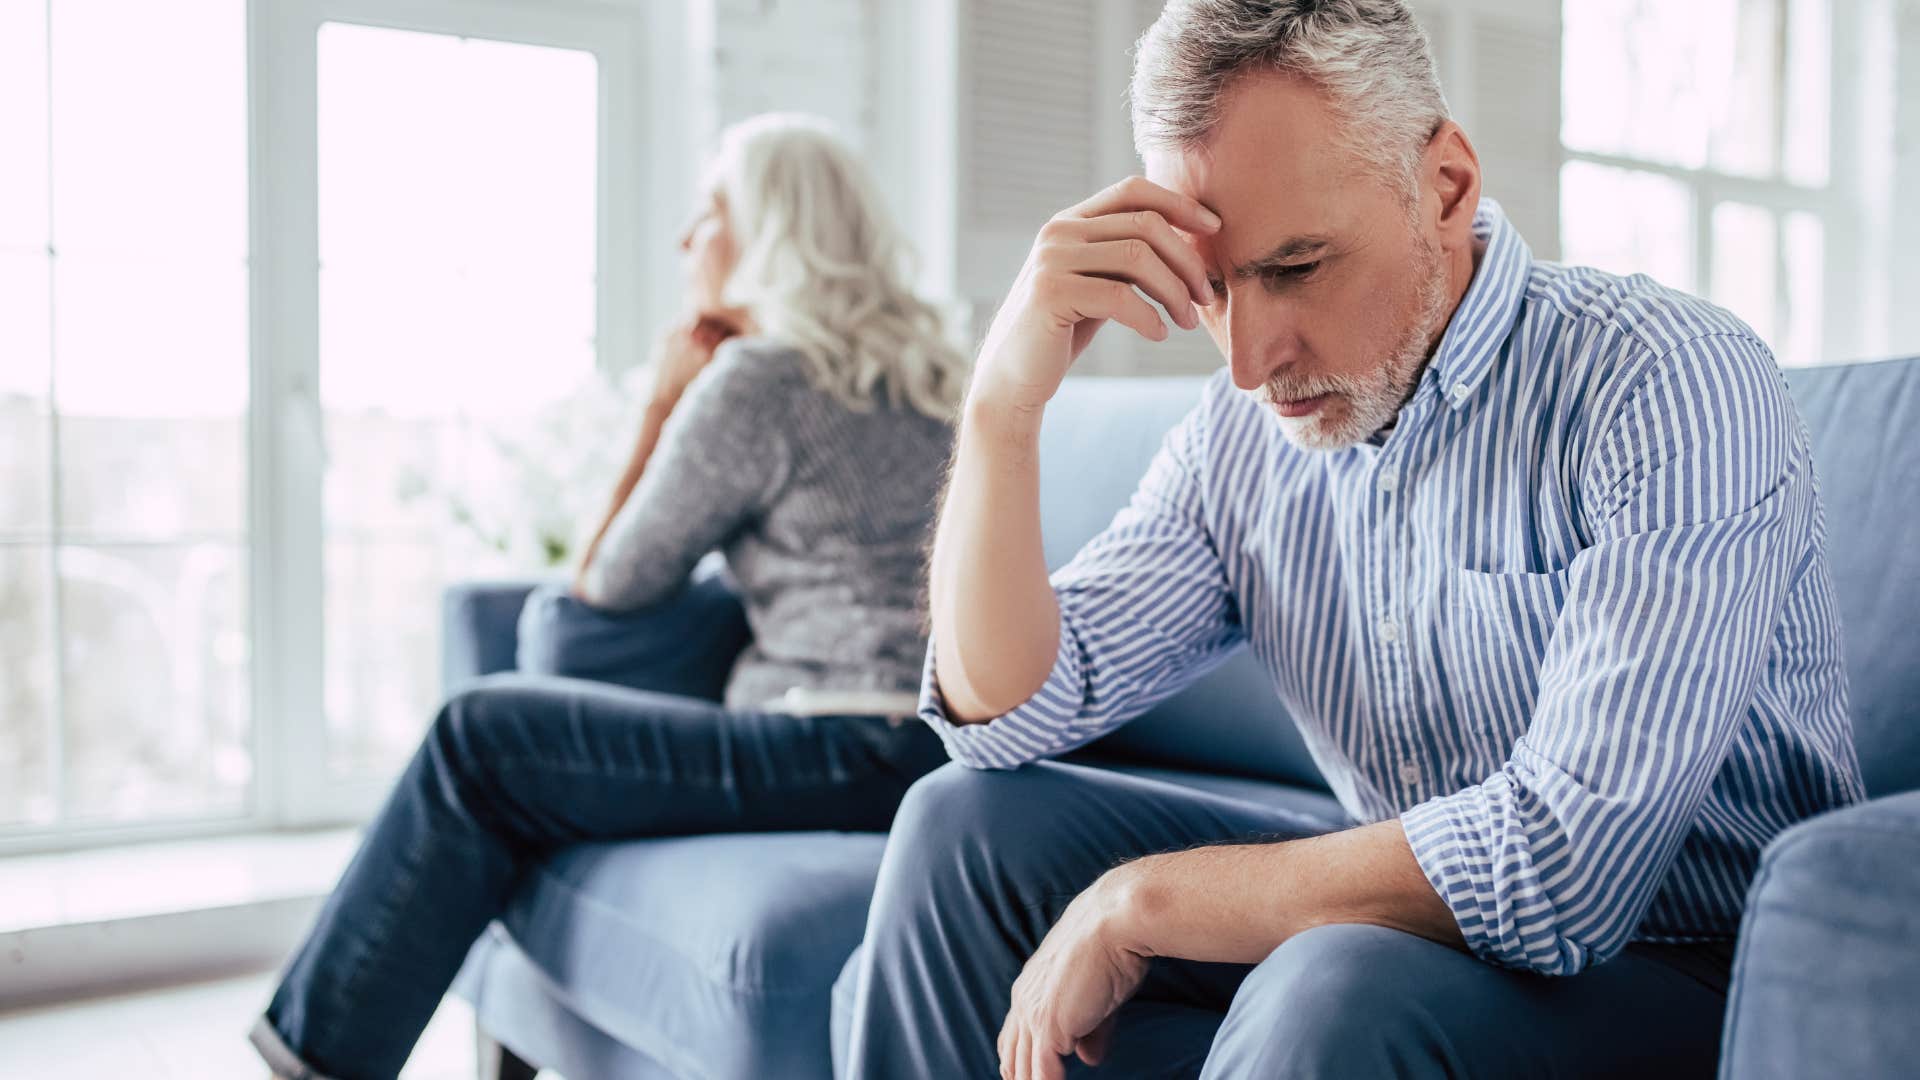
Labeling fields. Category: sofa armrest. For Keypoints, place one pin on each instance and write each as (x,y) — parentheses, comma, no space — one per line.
(1826,980)
(479,623)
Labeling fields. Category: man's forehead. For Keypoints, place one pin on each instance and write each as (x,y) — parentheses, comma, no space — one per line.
(1262,214)
(1272,168)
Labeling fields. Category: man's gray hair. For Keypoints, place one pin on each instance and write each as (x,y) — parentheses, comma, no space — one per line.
(1369,56)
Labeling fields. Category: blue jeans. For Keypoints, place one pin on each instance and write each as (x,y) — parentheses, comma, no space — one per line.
(980,864)
(518,766)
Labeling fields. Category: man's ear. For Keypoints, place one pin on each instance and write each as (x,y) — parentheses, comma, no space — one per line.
(1453,175)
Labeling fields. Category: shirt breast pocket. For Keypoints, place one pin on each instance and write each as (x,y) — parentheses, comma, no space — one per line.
(1493,636)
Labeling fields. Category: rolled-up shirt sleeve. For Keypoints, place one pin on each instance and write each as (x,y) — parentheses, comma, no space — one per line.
(1702,513)
(1145,609)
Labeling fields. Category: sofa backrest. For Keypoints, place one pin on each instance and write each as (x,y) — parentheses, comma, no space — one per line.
(1864,420)
(1865,423)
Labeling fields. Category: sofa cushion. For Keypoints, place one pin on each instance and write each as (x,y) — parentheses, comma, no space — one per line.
(712,955)
(1824,983)
(519,1007)
(1862,418)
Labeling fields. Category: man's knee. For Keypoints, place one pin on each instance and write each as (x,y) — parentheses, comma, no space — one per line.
(947,810)
(1004,812)
(968,831)
(1332,1001)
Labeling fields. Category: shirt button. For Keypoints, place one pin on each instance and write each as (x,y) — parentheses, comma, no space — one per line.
(1459,393)
(1409,773)
(1388,481)
(1389,631)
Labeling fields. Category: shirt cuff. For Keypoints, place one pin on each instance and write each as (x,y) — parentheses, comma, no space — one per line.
(1040,727)
(1481,871)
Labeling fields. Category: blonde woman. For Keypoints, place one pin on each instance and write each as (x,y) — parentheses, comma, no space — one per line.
(798,423)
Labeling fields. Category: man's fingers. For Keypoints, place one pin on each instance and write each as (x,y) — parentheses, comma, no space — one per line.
(1175,250)
(1008,1044)
(1139,193)
(1101,298)
(1045,1064)
(1135,262)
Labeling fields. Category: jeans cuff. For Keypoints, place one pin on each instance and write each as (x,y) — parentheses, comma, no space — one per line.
(279,1056)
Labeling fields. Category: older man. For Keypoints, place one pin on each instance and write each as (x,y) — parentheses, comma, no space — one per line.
(1532,553)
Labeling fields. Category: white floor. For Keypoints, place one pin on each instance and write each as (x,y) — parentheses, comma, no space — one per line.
(193,1032)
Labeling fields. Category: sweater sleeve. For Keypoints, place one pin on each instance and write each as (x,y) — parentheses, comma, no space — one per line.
(721,458)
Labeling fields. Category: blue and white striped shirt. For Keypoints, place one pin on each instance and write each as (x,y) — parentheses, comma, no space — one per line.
(1570,619)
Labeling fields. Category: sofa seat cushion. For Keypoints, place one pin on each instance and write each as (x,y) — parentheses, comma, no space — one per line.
(713,955)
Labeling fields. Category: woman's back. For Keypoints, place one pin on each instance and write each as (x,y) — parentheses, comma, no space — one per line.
(823,513)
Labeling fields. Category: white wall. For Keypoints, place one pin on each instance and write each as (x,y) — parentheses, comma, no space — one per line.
(814,56)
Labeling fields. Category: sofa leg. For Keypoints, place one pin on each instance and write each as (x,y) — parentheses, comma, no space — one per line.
(493,1061)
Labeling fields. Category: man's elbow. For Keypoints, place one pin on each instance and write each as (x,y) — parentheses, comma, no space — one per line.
(1554,950)
(978,690)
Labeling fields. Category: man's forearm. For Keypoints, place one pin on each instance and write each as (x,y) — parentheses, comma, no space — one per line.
(995,620)
(1237,903)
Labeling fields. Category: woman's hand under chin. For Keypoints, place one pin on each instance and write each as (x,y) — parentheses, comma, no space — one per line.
(686,349)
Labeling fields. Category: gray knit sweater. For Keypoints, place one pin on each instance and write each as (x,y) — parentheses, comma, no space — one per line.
(822,513)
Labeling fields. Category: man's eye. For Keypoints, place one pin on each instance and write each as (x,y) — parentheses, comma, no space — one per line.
(1296,272)
(1219,287)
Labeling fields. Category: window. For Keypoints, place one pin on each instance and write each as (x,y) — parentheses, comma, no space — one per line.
(457,262)
(1699,150)
(266,328)
(123,413)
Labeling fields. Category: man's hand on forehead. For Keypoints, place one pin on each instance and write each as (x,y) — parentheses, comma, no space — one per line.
(1103,259)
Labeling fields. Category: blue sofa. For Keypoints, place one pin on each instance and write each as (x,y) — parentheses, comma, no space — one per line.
(718,956)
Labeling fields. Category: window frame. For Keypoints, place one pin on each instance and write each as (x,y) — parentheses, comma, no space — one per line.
(648,154)
(1852,315)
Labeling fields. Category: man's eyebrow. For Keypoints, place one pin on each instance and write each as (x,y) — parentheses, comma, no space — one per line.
(1285,252)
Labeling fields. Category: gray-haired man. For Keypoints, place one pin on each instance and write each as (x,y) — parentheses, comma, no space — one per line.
(1532,552)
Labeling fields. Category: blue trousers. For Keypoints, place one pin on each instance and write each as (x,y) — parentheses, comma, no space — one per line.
(515,767)
(980,864)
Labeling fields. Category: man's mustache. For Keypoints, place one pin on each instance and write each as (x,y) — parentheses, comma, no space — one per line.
(1280,389)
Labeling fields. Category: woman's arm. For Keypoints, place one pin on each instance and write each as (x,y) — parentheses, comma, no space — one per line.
(651,421)
(720,461)
(683,353)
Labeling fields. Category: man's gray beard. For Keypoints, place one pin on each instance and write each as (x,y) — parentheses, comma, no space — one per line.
(1372,401)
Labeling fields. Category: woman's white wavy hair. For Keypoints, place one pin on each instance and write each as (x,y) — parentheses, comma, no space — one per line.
(822,267)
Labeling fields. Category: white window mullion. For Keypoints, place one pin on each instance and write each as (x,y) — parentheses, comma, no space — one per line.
(283,437)
(1704,200)
(57,746)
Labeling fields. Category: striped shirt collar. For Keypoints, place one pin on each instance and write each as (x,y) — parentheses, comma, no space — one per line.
(1486,314)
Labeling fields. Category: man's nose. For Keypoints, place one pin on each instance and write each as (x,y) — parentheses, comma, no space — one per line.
(1248,357)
